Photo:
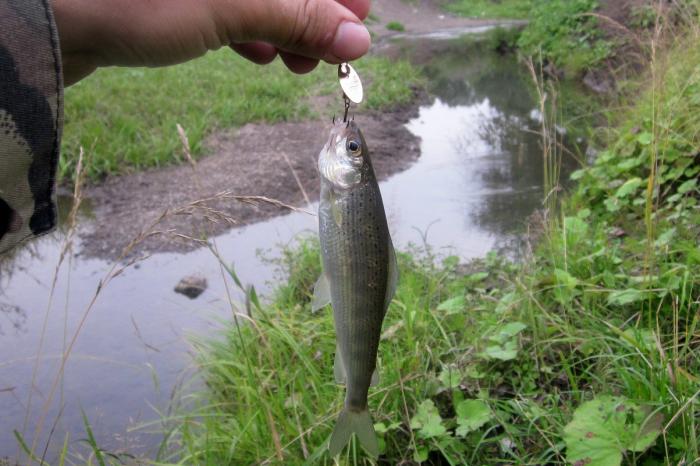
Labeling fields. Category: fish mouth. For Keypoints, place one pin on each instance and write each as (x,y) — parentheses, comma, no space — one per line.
(340,130)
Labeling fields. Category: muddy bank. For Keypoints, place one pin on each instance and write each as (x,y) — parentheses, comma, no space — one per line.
(254,160)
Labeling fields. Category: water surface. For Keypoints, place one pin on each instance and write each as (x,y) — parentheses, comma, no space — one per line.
(478,179)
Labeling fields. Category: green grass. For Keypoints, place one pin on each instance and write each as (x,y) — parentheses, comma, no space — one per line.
(510,9)
(395,26)
(588,352)
(561,33)
(126,118)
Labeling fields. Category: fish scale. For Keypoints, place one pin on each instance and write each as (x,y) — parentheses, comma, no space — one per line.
(359,273)
(356,265)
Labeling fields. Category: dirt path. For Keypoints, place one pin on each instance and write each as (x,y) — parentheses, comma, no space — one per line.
(251,160)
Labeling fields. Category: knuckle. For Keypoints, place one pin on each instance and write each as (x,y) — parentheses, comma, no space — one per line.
(308,32)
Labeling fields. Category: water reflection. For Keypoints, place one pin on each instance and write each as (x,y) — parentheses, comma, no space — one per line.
(482,124)
(479,177)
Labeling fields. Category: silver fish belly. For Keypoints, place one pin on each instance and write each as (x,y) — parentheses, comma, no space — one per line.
(359,274)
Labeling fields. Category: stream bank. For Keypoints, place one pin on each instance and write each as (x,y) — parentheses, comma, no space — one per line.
(585,353)
(470,191)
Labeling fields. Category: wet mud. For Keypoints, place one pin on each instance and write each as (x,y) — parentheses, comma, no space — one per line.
(275,161)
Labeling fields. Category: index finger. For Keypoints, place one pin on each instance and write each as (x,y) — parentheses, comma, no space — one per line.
(359,7)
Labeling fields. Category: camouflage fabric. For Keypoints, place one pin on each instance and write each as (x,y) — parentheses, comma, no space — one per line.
(31,109)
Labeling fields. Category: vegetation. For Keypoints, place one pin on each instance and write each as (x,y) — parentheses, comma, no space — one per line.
(491,8)
(588,352)
(562,33)
(126,118)
(395,26)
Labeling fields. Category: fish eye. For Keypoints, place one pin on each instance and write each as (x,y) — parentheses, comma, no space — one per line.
(353,146)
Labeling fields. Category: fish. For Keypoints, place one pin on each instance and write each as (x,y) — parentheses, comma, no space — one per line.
(359,274)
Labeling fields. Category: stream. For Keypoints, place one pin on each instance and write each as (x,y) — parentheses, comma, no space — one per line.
(478,179)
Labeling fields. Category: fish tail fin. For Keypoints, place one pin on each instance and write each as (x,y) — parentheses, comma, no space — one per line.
(361,424)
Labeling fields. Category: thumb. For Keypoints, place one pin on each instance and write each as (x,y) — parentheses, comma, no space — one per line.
(322,29)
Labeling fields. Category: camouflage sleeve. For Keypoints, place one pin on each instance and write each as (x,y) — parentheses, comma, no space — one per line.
(31,117)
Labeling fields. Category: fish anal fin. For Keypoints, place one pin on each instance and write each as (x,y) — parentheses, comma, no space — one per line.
(359,423)
(322,293)
(338,368)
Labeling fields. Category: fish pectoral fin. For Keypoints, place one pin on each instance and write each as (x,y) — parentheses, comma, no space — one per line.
(375,379)
(359,423)
(339,369)
(393,277)
(322,293)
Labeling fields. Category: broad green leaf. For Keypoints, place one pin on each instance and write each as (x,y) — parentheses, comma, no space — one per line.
(477,277)
(427,421)
(623,297)
(643,339)
(629,187)
(382,445)
(565,279)
(474,373)
(603,429)
(421,454)
(511,329)
(688,186)
(612,204)
(452,305)
(505,352)
(506,302)
(575,226)
(578,174)
(450,377)
(665,238)
(645,138)
(628,164)
(566,286)
(471,415)
(651,426)
(382,428)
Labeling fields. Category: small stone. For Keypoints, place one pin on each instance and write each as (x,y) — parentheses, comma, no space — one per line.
(191,286)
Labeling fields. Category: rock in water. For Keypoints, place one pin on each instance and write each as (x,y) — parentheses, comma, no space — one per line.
(191,286)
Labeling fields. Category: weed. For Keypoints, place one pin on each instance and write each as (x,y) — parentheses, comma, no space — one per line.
(395,26)
(564,34)
(586,353)
(491,8)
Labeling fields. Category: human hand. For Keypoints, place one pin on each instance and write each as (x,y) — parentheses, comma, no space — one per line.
(97,33)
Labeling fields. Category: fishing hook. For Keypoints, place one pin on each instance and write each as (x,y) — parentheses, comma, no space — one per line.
(347,108)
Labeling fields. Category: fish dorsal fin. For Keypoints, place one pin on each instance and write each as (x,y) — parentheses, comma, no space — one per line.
(322,293)
(392,278)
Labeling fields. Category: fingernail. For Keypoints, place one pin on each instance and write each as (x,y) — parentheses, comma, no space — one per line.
(351,41)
